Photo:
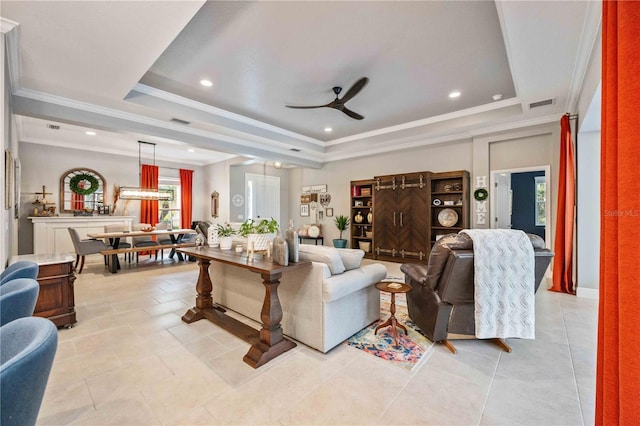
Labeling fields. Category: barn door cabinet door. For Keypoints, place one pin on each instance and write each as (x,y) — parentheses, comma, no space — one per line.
(401,219)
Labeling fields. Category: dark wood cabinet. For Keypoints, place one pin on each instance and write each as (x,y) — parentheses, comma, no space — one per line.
(362,215)
(449,203)
(56,299)
(401,217)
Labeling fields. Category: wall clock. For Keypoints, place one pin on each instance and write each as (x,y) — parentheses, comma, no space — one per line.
(237,200)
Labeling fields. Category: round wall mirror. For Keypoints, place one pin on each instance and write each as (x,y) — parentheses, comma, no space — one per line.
(82,190)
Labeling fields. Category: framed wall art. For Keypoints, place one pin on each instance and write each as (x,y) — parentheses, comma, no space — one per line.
(9,185)
(329,211)
(304,209)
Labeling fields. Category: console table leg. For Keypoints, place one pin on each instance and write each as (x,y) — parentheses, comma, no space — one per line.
(203,299)
(271,343)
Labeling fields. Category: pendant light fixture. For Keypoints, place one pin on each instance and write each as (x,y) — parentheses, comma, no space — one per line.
(140,193)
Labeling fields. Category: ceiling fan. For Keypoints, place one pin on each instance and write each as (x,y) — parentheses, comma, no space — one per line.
(339,103)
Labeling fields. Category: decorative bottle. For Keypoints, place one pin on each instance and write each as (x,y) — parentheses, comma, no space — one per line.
(280,250)
(359,218)
(292,242)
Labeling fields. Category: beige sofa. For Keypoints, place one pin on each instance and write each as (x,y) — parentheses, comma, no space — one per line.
(322,305)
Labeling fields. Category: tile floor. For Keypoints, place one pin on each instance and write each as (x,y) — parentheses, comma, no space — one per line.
(131,361)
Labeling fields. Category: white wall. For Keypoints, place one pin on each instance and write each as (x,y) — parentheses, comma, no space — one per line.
(8,224)
(532,147)
(338,175)
(588,211)
(44,165)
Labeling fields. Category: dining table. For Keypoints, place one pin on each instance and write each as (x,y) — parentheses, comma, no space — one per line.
(175,235)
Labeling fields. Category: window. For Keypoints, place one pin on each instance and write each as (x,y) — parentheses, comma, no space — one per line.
(169,211)
(541,199)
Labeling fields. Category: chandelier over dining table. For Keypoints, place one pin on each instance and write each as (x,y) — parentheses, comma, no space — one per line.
(140,193)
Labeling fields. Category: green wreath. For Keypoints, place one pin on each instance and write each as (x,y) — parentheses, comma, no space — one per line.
(480,194)
(75,182)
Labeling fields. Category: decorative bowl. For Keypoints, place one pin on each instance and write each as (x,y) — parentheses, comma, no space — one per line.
(149,229)
(448,217)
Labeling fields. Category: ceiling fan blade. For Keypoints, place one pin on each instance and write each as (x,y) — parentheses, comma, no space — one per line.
(353,90)
(307,107)
(352,114)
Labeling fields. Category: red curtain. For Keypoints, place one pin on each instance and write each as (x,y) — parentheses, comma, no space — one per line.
(563,247)
(618,371)
(149,208)
(186,185)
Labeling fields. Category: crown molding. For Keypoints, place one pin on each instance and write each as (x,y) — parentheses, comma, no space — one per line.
(209,109)
(430,120)
(10,30)
(7,25)
(243,140)
(588,39)
(412,143)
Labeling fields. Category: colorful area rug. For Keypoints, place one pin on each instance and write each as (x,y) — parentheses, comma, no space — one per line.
(411,348)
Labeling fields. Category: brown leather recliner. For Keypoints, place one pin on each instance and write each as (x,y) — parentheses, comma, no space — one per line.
(442,297)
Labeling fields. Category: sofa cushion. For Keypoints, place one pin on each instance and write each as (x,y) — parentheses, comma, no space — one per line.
(351,258)
(323,254)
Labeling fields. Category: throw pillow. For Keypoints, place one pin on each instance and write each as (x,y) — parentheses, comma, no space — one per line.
(351,258)
(323,254)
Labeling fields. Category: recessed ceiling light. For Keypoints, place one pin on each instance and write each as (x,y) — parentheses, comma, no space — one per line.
(206,83)
(328,129)
(454,94)
(497,97)
(191,150)
(90,133)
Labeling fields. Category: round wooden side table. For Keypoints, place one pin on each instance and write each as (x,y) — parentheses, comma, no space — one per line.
(393,288)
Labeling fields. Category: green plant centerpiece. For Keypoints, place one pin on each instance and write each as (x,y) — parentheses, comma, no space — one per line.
(225,235)
(342,222)
(225,230)
(259,232)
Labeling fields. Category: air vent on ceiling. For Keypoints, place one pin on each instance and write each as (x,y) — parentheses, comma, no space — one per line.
(541,103)
(177,120)
(295,150)
(53,127)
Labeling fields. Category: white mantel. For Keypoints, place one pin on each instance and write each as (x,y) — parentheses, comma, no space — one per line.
(50,234)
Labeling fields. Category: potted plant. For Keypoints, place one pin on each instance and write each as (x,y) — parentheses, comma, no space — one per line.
(259,233)
(225,235)
(342,222)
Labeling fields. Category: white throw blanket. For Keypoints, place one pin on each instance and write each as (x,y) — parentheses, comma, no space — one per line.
(504,283)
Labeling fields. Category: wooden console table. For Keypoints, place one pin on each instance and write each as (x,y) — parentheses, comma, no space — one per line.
(56,299)
(268,342)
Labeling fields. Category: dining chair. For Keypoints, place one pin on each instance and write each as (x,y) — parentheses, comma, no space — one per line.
(20,269)
(27,349)
(122,244)
(85,247)
(163,240)
(143,241)
(18,299)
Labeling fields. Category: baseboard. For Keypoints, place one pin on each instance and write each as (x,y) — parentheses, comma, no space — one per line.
(589,293)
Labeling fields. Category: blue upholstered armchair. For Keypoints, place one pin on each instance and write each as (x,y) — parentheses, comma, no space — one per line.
(18,299)
(21,269)
(27,348)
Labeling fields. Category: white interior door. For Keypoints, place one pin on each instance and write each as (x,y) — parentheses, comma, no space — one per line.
(262,196)
(502,213)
